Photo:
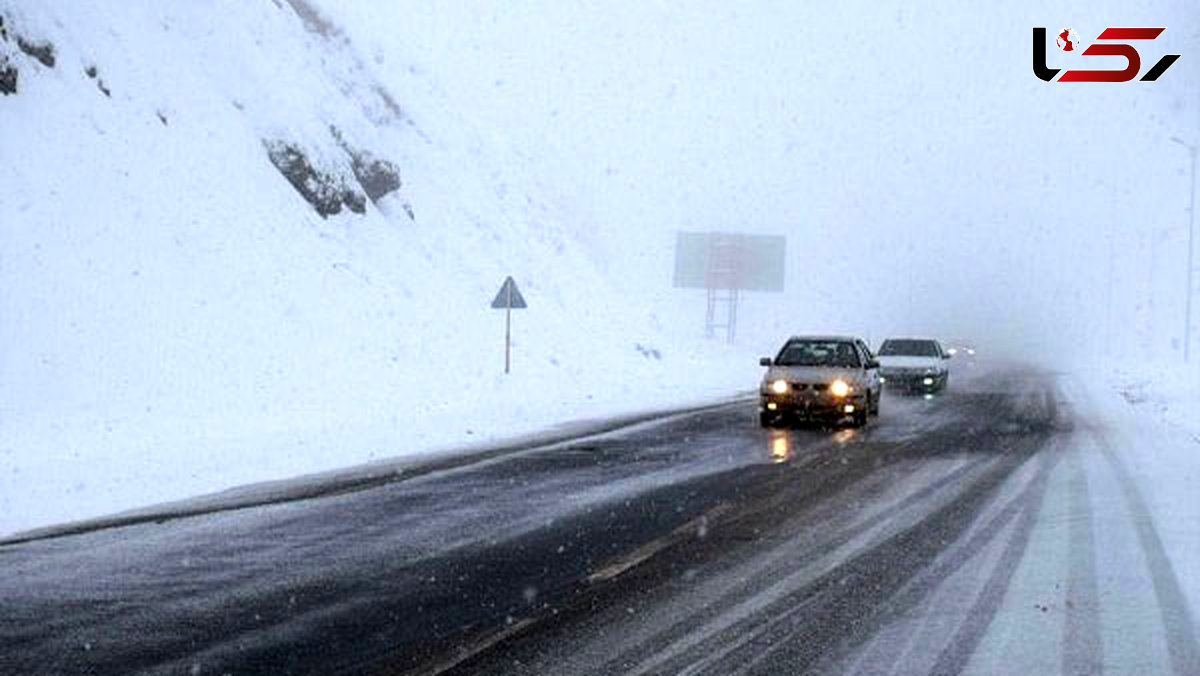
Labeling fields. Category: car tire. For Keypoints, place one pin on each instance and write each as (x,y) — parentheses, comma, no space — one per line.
(765,420)
(873,406)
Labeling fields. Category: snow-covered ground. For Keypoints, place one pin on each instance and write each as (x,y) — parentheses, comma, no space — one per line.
(1168,393)
(176,319)
(1153,415)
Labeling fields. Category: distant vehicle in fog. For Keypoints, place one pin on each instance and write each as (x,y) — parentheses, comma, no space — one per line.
(913,365)
(826,378)
(960,348)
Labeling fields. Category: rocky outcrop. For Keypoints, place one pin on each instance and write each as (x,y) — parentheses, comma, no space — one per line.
(8,76)
(377,177)
(325,191)
(94,73)
(8,72)
(42,51)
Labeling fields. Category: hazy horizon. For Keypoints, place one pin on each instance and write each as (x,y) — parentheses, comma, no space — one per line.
(915,140)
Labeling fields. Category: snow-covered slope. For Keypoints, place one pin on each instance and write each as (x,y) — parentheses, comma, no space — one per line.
(176,317)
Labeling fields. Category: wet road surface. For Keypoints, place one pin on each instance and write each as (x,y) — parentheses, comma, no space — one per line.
(698,544)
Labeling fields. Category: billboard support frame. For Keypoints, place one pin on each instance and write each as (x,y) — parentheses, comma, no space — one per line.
(725,264)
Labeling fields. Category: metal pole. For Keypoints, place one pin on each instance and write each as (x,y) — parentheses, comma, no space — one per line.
(1150,284)
(710,320)
(1108,296)
(508,328)
(1187,310)
(1187,322)
(732,328)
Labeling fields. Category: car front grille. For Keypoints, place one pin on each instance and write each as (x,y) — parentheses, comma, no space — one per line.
(898,372)
(816,387)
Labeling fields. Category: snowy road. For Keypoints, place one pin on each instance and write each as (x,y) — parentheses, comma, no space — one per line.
(996,529)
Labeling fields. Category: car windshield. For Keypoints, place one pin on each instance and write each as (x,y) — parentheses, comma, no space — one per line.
(908,348)
(818,353)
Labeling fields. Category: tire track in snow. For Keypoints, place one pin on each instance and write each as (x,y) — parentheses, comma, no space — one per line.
(733,607)
(1024,508)
(840,603)
(1083,649)
(734,612)
(1180,630)
(1041,415)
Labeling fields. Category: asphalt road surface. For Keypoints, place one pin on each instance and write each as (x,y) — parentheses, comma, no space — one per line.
(975,532)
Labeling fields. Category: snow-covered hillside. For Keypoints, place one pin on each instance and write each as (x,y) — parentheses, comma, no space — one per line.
(176,317)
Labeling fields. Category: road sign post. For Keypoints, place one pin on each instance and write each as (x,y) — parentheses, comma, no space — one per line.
(509,298)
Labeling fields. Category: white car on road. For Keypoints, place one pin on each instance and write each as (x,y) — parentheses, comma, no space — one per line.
(913,365)
(820,377)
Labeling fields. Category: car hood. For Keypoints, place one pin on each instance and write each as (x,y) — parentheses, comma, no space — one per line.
(811,374)
(903,362)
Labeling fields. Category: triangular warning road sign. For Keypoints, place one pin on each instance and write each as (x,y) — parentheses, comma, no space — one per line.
(509,296)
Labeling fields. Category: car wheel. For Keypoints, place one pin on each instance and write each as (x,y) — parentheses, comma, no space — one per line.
(873,406)
(765,419)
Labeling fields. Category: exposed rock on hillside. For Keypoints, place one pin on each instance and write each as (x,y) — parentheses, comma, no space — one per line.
(8,72)
(377,177)
(325,191)
(8,76)
(93,73)
(42,51)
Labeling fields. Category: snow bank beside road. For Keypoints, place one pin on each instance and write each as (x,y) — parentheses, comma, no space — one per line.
(1153,414)
(1166,393)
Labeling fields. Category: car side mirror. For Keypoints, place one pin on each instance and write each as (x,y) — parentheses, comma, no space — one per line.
(946,355)
(873,364)
(765,361)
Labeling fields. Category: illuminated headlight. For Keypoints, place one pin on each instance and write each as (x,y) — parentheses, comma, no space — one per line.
(928,381)
(848,408)
(882,379)
(779,386)
(839,388)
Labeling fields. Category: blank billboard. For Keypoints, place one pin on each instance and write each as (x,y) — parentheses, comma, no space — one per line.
(720,260)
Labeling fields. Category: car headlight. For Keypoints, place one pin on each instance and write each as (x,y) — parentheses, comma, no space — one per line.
(779,386)
(839,388)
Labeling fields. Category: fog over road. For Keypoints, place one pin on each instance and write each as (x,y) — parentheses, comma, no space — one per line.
(990,530)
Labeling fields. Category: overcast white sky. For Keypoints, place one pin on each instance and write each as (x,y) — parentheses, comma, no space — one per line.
(914,139)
